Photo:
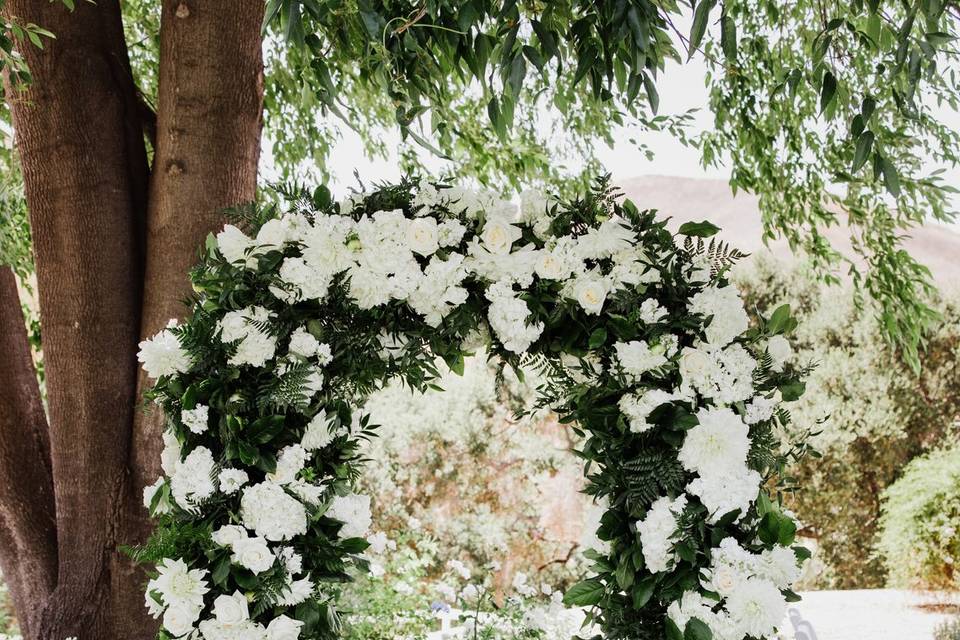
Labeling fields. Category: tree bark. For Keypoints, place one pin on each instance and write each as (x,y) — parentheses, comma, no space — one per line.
(80,139)
(209,113)
(28,534)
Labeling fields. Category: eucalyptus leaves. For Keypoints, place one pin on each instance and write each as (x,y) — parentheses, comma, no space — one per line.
(642,344)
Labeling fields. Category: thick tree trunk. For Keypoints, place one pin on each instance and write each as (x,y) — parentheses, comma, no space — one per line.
(28,534)
(85,171)
(207,149)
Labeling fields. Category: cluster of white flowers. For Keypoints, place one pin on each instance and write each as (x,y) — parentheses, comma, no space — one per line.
(749,586)
(452,247)
(657,530)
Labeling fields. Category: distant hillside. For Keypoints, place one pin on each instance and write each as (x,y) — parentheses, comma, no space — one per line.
(685,199)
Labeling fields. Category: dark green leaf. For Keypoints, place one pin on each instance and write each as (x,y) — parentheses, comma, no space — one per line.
(703,229)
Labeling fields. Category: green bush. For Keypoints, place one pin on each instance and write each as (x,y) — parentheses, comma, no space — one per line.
(873,414)
(919,538)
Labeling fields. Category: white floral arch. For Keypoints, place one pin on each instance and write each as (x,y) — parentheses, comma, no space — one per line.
(643,343)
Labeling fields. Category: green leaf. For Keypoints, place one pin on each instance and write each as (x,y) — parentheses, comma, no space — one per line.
(891,179)
(597,338)
(700,16)
(728,37)
(792,390)
(652,96)
(673,631)
(703,229)
(584,594)
(864,146)
(828,90)
(642,592)
(697,629)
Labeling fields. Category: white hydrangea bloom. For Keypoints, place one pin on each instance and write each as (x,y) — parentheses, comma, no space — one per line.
(232,479)
(289,463)
(228,534)
(508,316)
(354,511)
(724,306)
(450,233)
(727,490)
(637,408)
(656,532)
(162,355)
(303,344)
(192,480)
(196,419)
(651,311)
(760,409)
(272,513)
(637,357)
(439,292)
(234,245)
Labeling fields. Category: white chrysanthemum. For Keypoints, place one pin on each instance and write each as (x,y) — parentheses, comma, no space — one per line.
(727,490)
(612,236)
(232,479)
(292,561)
(719,442)
(196,419)
(255,346)
(354,511)
(317,434)
(272,513)
(367,288)
(508,316)
(178,585)
(289,463)
(637,408)
(656,532)
(162,355)
(725,308)
(253,554)
(192,480)
(780,352)
(757,607)
(637,357)
(296,592)
(779,565)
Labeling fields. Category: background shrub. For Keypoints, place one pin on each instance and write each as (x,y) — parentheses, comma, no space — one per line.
(919,541)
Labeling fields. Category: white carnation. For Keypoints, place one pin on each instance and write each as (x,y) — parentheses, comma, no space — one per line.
(717,444)
(234,245)
(637,408)
(196,419)
(302,343)
(255,347)
(724,306)
(303,281)
(726,490)
(508,317)
(757,607)
(450,233)
(162,355)
(192,480)
(637,357)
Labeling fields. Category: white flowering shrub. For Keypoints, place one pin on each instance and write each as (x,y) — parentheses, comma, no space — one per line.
(299,316)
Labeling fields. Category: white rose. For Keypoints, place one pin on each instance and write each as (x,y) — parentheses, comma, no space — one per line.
(423,236)
(591,293)
(231,609)
(283,628)
(549,267)
(229,534)
(499,235)
(178,620)
(725,580)
(253,554)
(693,363)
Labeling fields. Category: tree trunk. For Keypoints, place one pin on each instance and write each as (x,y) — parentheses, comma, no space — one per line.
(80,140)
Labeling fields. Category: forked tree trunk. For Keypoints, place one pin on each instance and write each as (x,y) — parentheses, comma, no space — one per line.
(71,482)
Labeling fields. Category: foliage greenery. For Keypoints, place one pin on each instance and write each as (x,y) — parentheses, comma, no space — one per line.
(918,538)
(255,411)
